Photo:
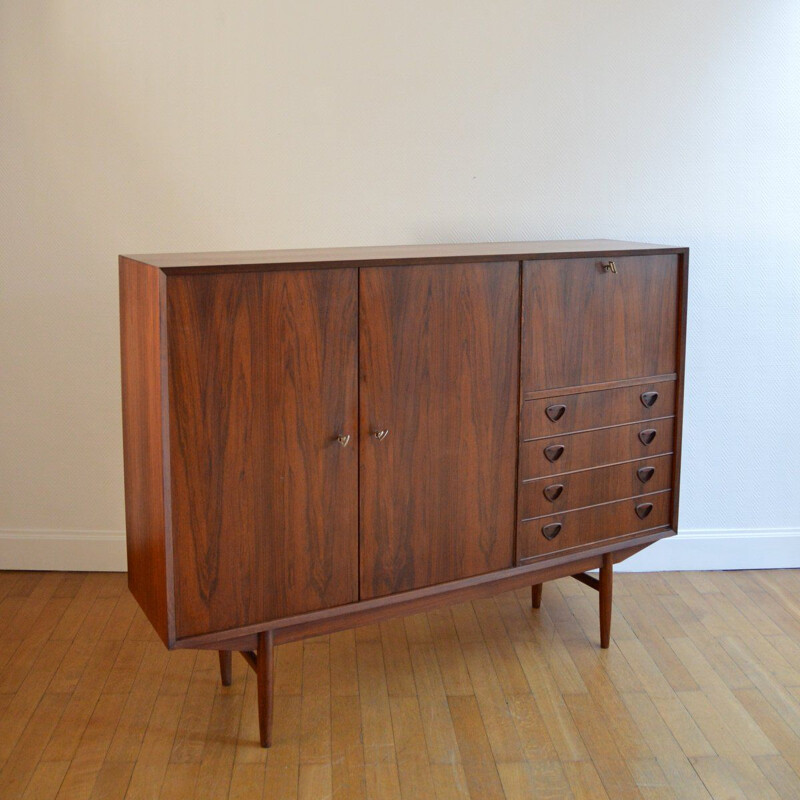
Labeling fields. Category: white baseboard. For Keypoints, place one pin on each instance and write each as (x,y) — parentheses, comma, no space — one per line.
(104,551)
(770,548)
(71,551)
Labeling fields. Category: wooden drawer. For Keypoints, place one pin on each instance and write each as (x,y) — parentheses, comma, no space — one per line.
(584,323)
(576,412)
(574,451)
(591,525)
(589,487)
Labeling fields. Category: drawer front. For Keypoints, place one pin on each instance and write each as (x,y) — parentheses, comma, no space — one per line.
(575,451)
(592,525)
(589,487)
(585,324)
(575,412)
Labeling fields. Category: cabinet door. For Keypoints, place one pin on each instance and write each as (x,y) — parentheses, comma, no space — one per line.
(439,355)
(583,324)
(262,379)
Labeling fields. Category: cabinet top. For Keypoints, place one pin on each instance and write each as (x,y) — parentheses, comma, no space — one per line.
(397,255)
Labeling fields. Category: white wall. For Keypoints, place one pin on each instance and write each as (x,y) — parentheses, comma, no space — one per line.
(157,126)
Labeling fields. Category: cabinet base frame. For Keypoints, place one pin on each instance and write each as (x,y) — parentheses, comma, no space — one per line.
(257,649)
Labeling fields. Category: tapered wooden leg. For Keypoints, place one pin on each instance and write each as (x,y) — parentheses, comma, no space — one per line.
(225,666)
(536,595)
(264,674)
(606,584)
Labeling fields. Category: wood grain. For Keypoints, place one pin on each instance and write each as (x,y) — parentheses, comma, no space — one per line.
(365,612)
(146,512)
(596,409)
(590,487)
(439,355)
(240,374)
(658,697)
(538,394)
(594,448)
(263,371)
(582,325)
(591,525)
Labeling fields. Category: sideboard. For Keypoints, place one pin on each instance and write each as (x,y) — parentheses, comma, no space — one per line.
(318,439)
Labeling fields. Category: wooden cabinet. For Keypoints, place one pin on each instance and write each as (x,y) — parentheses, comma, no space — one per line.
(320,439)
(600,354)
(263,378)
(595,448)
(587,322)
(593,486)
(440,376)
(587,410)
(579,527)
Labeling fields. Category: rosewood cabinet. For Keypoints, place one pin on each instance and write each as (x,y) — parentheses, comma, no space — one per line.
(439,359)
(263,376)
(316,439)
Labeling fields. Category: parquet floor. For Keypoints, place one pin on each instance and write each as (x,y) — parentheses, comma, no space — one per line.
(699,696)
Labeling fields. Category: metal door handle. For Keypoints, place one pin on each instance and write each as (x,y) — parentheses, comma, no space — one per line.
(381,435)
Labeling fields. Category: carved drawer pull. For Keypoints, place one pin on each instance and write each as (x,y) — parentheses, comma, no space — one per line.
(645,473)
(554,452)
(648,399)
(555,412)
(643,510)
(553,491)
(646,437)
(551,531)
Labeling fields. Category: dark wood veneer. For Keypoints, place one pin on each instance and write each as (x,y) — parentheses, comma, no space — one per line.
(596,409)
(589,487)
(583,325)
(561,391)
(595,448)
(365,612)
(591,525)
(437,493)
(263,377)
(316,439)
(146,463)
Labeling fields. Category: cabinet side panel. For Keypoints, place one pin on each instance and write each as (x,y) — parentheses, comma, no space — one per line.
(683,297)
(142,440)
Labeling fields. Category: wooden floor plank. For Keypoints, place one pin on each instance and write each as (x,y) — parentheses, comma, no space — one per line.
(343,663)
(247,781)
(90,755)
(411,755)
(449,656)
(376,718)
(46,780)
(698,697)
(497,719)
(584,781)
(603,750)
(550,703)
(479,765)
(348,778)
(25,756)
(434,710)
